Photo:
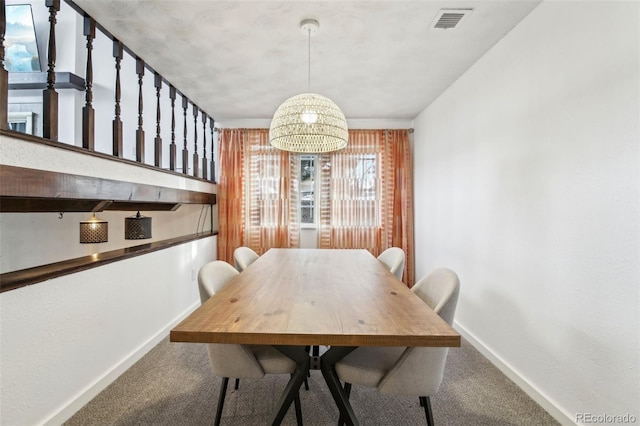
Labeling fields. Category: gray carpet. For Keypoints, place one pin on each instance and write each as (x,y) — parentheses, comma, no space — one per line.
(173,385)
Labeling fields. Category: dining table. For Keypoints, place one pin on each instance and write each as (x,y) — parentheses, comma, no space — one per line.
(296,298)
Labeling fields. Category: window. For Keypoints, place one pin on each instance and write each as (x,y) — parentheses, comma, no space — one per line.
(21,122)
(353,198)
(308,190)
(358,197)
(365,175)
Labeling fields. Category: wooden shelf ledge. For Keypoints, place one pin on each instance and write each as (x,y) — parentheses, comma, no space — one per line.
(24,277)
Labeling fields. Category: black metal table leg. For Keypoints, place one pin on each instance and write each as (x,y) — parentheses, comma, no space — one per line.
(301,358)
(327,366)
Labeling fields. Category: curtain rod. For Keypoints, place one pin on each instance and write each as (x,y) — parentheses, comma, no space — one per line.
(410,130)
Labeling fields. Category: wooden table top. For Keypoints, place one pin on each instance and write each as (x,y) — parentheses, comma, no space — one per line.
(316,297)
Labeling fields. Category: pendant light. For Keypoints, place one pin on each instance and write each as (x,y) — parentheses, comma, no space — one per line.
(309,122)
(94,231)
(137,227)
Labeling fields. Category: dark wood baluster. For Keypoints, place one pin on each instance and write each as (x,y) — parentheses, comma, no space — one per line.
(117,122)
(185,150)
(49,95)
(140,130)
(88,113)
(4,75)
(158,139)
(172,147)
(213,161)
(196,160)
(205,164)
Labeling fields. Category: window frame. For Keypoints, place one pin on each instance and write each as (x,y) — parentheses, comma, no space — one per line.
(21,117)
(314,206)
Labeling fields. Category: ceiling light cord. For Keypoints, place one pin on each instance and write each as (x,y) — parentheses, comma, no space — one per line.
(309,60)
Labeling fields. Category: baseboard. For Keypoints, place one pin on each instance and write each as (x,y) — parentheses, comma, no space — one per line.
(538,396)
(93,389)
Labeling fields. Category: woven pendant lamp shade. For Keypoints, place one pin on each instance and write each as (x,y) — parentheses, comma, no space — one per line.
(308,123)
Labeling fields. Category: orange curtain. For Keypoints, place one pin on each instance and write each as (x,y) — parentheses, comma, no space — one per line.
(351,206)
(272,219)
(366,195)
(230,192)
(258,194)
(400,194)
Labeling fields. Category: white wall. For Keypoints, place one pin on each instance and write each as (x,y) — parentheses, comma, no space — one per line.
(63,340)
(527,184)
(66,339)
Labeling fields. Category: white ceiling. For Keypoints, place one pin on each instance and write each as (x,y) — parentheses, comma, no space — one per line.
(241,59)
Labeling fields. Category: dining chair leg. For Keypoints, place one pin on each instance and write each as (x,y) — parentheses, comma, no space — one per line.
(237,384)
(426,402)
(223,393)
(347,391)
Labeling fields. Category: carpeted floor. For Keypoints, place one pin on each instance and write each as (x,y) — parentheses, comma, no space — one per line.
(173,385)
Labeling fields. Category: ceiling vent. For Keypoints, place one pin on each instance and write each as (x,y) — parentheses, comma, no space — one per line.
(450,18)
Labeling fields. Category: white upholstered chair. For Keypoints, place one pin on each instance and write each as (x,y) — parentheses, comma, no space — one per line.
(413,371)
(243,257)
(393,258)
(233,360)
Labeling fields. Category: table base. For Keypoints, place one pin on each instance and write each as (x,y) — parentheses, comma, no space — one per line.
(327,363)
(291,392)
(328,367)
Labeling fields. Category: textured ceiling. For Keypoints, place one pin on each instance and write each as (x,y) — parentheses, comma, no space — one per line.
(241,59)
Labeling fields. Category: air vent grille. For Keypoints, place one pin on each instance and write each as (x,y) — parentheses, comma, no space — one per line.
(450,18)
